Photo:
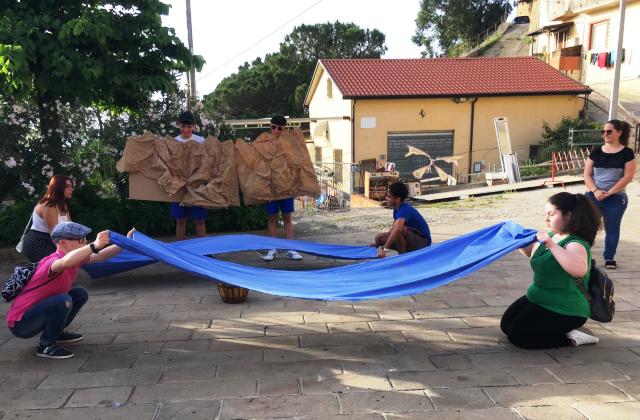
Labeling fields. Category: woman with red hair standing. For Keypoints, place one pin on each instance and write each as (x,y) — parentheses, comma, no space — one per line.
(53,208)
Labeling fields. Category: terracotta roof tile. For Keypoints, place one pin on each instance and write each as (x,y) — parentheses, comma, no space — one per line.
(495,76)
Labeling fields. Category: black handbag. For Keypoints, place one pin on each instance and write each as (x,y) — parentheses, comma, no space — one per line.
(599,295)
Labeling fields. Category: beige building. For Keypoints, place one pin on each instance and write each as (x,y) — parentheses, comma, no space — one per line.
(371,110)
(579,37)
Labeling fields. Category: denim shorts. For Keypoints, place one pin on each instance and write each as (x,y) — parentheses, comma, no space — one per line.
(184,212)
(285,206)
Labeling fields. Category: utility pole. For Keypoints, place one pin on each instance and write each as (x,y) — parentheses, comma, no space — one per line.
(192,70)
(613,106)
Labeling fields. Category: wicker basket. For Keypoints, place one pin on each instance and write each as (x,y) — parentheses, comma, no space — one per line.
(232,294)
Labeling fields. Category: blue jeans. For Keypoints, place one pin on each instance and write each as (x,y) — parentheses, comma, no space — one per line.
(50,316)
(612,209)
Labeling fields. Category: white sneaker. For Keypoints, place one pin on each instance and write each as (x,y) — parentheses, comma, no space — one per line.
(293,255)
(271,255)
(579,338)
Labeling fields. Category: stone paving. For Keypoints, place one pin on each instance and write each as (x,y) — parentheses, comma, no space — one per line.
(159,344)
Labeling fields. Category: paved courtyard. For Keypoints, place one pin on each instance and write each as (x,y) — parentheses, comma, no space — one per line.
(159,344)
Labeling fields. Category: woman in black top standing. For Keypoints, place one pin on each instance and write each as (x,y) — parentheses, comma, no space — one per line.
(607,172)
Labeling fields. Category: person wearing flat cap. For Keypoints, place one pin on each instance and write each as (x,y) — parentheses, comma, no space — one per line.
(181,214)
(49,302)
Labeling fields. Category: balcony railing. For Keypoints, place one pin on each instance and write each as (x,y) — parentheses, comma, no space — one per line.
(568,8)
(567,59)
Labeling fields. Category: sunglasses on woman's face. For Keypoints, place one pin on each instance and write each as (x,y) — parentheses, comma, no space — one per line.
(277,127)
(603,132)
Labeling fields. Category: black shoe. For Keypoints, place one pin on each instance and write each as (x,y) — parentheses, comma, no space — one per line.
(611,264)
(67,337)
(53,351)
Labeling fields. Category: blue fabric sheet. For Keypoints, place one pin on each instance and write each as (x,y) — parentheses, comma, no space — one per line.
(128,260)
(406,274)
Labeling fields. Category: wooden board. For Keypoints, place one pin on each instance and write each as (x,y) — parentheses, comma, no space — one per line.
(496,189)
(147,189)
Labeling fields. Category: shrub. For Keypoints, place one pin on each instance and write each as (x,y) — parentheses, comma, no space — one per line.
(558,137)
(119,215)
(530,171)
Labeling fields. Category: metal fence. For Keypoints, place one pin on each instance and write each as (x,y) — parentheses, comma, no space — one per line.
(336,178)
(582,138)
(482,37)
(564,160)
(335,182)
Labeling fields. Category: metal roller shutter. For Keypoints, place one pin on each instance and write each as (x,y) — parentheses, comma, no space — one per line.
(435,143)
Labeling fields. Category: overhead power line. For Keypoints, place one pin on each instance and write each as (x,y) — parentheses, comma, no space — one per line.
(260,40)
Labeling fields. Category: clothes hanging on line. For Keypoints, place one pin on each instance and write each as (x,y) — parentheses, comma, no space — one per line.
(604,59)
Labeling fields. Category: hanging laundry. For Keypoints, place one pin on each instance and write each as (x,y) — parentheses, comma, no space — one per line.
(602,60)
(614,55)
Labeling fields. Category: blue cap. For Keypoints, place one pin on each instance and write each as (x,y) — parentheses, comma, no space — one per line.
(69,230)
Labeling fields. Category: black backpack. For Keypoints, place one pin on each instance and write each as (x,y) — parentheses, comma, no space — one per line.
(599,295)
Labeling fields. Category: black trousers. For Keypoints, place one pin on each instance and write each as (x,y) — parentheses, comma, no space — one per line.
(531,326)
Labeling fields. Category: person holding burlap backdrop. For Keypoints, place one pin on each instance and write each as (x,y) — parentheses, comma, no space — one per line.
(275,168)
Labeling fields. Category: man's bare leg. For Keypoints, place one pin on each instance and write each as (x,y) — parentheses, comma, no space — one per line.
(272,225)
(381,239)
(288,225)
(181,229)
(400,244)
(201,228)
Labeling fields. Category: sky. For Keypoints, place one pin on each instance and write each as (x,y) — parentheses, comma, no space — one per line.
(230,33)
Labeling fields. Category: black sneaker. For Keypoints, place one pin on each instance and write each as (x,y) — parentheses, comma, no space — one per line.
(53,351)
(611,264)
(67,337)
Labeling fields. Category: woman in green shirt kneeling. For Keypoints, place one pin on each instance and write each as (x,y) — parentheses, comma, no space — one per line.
(553,308)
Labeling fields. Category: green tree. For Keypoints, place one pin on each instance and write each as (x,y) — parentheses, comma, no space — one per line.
(93,141)
(446,26)
(109,54)
(278,83)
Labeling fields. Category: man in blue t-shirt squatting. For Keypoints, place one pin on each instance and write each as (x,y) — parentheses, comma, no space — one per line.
(409,231)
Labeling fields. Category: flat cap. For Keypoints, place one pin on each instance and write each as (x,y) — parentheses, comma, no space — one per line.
(69,230)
